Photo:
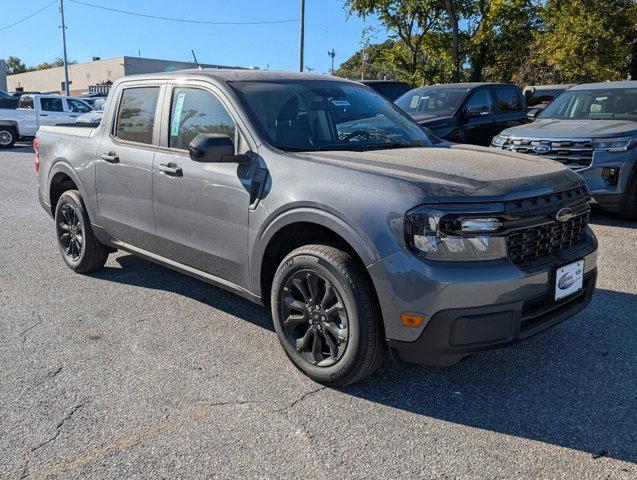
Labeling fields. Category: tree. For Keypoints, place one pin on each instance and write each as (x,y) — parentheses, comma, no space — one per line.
(15,65)
(377,64)
(583,41)
(411,22)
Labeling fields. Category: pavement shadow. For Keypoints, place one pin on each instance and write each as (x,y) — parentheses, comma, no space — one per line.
(20,147)
(574,385)
(139,272)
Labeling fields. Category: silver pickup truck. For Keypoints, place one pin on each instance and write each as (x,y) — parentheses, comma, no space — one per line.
(320,198)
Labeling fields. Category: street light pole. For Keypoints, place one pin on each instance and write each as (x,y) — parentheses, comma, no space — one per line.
(66,65)
(302,46)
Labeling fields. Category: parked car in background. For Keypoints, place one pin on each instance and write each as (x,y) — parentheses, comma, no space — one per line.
(390,89)
(358,240)
(34,111)
(537,97)
(7,101)
(93,117)
(466,112)
(591,128)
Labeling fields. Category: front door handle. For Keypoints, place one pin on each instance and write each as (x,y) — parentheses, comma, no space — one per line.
(170,169)
(110,157)
(73,116)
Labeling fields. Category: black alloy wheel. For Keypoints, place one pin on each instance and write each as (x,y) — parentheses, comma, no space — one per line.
(315,318)
(70,233)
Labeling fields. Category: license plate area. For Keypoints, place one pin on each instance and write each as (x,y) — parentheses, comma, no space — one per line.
(569,279)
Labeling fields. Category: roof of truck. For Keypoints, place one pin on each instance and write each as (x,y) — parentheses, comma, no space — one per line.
(606,85)
(238,75)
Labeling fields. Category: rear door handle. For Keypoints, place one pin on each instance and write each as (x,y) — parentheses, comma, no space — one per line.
(43,115)
(110,157)
(170,169)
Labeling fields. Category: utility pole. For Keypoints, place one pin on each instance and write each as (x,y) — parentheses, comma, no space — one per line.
(332,54)
(302,46)
(66,65)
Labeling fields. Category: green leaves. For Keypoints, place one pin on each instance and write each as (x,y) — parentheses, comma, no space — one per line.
(526,41)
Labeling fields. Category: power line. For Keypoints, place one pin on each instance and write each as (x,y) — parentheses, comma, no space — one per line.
(183,20)
(29,16)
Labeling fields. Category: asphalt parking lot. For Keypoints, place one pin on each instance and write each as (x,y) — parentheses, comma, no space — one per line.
(140,372)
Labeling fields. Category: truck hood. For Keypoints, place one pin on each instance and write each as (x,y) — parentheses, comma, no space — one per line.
(573,129)
(453,172)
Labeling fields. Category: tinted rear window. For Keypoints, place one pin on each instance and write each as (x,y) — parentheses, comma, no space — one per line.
(136,115)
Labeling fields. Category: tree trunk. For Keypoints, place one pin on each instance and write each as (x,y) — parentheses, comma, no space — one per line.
(453,18)
(633,60)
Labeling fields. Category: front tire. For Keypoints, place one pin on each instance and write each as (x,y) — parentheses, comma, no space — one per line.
(325,316)
(8,137)
(79,248)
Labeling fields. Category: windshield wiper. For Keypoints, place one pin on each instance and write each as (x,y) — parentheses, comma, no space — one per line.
(383,146)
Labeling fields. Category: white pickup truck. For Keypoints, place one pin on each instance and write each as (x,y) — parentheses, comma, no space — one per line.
(34,111)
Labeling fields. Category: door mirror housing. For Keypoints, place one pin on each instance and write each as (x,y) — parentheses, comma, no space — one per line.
(477,111)
(533,113)
(211,147)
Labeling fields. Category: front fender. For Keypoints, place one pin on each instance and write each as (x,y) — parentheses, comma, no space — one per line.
(358,240)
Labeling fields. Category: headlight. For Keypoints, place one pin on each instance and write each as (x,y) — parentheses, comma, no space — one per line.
(614,144)
(439,233)
(499,140)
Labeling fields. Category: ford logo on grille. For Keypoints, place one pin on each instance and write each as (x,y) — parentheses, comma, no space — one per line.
(564,215)
(541,148)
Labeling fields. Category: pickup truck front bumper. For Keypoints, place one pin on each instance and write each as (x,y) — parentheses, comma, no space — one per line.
(473,307)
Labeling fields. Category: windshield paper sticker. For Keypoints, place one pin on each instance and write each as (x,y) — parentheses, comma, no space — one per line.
(179,105)
(414,101)
(340,103)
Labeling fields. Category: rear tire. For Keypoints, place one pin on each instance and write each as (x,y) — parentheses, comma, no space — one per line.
(319,292)
(629,207)
(8,137)
(79,248)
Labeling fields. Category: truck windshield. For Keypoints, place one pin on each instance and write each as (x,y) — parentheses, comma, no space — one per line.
(597,104)
(432,100)
(304,115)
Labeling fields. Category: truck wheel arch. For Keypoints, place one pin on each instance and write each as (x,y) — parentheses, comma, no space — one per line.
(61,178)
(278,237)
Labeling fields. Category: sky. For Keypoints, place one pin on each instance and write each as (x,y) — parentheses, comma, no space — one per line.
(93,32)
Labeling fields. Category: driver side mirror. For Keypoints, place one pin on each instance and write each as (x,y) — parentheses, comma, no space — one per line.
(214,148)
(477,111)
(533,113)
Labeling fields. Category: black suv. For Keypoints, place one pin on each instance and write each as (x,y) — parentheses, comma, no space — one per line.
(466,112)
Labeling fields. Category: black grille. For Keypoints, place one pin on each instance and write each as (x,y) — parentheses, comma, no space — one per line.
(541,240)
(547,203)
(576,154)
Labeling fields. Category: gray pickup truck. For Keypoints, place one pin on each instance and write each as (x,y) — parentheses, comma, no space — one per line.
(317,196)
(591,128)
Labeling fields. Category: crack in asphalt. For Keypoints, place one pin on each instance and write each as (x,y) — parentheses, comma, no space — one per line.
(301,398)
(24,332)
(58,428)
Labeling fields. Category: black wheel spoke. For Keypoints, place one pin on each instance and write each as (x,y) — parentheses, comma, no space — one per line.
(331,345)
(64,226)
(70,232)
(312,283)
(333,309)
(304,342)
(295,304)
(339,333)
(329,293)
(300,286)
(294,320)
(316,348)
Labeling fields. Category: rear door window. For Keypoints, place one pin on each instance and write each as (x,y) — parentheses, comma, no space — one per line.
(136,114)
(51,104)
(507,99)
